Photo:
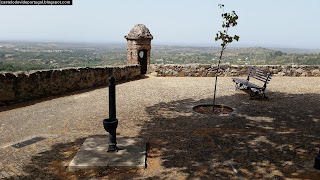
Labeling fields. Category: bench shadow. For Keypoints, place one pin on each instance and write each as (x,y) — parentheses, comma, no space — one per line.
(266,139)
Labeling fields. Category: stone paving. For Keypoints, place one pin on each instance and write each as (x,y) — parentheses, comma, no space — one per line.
(276,138)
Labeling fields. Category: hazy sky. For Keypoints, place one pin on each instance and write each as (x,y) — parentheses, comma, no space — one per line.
(267,23)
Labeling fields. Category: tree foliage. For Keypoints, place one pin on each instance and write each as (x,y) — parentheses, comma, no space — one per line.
(229,20)
(278,53)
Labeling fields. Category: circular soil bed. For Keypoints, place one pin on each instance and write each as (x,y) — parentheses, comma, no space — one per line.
(219,110)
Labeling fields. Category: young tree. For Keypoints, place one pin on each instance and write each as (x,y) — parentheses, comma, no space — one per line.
(229,20)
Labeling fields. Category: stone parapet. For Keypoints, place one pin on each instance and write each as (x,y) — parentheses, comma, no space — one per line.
(208,70)
(24,86)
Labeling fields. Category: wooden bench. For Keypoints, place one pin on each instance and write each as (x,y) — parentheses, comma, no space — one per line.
(260,76)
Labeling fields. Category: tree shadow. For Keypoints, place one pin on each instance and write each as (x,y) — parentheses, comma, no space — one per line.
(275,138)
(269,139)
(53,163)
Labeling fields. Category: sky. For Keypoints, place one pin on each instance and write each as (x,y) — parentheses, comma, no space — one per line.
(265,23)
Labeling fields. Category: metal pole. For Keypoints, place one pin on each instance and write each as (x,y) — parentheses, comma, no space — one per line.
(112,97)
(111,124)
(112,114)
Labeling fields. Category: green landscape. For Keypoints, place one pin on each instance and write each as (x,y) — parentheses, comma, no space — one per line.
(27,56)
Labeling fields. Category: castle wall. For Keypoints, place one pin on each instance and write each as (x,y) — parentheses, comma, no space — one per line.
(208,70)
(23,86)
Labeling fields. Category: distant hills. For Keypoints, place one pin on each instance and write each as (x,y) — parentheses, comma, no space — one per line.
(84,45)
(25,56)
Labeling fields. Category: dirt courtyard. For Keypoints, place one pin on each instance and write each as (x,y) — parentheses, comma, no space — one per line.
(276,138)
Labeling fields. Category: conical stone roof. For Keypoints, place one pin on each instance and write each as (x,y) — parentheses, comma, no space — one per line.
(139,31)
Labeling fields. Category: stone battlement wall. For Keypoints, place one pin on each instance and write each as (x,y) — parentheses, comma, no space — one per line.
(208,70)
(23,86)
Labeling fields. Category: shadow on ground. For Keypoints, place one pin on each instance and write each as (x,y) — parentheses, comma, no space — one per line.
(15,105)
(52,164)
(275,138)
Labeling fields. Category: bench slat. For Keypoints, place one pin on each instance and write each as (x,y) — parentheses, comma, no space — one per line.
(261,75)
(246,83)
(239,80)
(261,79)
(257,69)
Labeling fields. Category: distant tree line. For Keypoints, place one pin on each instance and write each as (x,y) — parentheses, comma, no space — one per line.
(12,60)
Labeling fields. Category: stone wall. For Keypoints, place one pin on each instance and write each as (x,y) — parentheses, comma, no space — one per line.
(134,47)
(23,86)
(208,70)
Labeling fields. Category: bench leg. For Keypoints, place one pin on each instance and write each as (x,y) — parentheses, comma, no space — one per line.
(252,94)
(237,85)
(263,95)
(259,93)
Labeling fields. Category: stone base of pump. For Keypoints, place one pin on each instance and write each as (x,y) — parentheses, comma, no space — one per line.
(94,154)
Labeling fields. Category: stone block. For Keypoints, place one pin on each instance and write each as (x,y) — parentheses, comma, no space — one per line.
(93,154)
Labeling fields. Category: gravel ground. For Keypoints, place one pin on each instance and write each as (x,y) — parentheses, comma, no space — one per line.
(266,139)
